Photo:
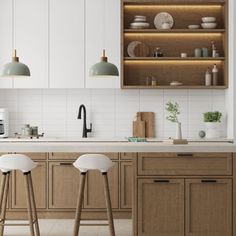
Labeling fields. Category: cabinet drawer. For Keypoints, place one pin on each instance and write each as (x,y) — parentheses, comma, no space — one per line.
(75,155)
(36,155)
(185,164)
(127,155)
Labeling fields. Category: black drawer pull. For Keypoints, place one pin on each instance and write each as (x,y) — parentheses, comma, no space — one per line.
(209,181)
(161,181)
(65,164)
(185,155)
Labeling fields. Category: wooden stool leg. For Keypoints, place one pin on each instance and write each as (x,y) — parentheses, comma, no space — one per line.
(79,203)
(30,216)
(4,202)
(37,232)
(108,203)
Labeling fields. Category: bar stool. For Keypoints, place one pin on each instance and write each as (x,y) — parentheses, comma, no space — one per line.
(93,162)
(8,163)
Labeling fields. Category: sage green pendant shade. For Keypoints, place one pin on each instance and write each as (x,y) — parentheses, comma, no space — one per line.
(103,68)
(15,68)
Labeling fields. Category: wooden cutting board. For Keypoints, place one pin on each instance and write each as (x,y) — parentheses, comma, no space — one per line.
(139,128)
(149,119)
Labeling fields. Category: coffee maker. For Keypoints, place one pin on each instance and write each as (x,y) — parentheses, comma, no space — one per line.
(4,123)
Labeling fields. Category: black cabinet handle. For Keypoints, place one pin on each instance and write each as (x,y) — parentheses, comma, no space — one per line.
(161,181)
(209,181)
(184,154)
(65,164)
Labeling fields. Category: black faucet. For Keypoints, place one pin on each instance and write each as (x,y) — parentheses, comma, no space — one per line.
(85,130)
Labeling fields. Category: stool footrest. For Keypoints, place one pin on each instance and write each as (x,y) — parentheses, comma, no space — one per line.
(94,224)
(14,224)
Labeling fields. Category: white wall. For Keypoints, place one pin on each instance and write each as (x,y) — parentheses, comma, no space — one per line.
(110,110)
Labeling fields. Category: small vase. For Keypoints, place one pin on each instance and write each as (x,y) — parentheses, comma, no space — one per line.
(178,134)
(213,130)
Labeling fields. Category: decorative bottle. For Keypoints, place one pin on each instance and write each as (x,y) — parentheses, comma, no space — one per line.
(214,49)
(208,77)
(215,73)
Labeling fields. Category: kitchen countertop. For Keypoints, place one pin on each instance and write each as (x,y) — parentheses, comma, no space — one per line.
(112,145)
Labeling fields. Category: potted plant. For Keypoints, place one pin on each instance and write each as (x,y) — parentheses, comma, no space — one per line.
(174,111)
(212,121)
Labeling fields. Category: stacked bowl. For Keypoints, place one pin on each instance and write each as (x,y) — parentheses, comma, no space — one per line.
(140,22)
(208,22)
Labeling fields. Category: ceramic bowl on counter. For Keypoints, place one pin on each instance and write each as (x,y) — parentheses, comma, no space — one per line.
(208,25)
(194,26)
(208,19)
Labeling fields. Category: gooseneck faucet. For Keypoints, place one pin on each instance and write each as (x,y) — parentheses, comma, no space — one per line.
(85,130)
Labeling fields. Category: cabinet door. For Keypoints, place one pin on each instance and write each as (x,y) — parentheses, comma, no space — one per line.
(94,189)
(102,32)
(160,207)
(126,179)
(67,43)
(209,207)
(31,41)
(6,39)
(63,185)
(39,178)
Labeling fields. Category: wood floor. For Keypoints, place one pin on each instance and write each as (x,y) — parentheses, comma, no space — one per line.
(65,228)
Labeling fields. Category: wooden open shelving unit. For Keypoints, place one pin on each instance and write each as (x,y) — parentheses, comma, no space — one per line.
(191,70)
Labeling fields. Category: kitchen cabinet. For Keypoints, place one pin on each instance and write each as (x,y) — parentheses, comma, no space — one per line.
(126,178)
(177,194)
(6,39)
(67,43)
(39,178)
(31,41)
(63,185)
(208,207)
(161,207)
(94,189)
(102,32)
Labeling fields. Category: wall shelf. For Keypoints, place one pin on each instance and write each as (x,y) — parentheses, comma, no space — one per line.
(189,71)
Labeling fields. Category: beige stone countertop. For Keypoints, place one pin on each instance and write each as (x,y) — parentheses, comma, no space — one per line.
(113,145)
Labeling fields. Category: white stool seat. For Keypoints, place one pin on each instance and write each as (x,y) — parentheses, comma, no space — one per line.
(9,162)
(93,162)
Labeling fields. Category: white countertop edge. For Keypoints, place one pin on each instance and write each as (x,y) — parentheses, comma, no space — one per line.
(114,147)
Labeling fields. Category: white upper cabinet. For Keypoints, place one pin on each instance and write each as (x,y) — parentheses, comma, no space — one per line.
(6,39)
(31,41)
(102,32)
(66,44)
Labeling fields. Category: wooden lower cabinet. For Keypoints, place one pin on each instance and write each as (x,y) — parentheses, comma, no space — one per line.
(208,207)
(63,185)
(94,190)
(39,178)
(126,178)
(160,207)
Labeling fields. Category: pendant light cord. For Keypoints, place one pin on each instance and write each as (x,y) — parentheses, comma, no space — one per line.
(13,25)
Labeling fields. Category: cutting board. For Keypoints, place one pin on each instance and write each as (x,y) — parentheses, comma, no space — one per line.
(149,119)
(139,127)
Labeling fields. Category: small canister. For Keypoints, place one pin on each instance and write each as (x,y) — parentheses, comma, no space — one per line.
(205,52)
(34,130)
(198,52)
(26,130)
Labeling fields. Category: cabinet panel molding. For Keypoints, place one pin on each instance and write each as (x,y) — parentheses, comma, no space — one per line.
(160,207)
(209,207)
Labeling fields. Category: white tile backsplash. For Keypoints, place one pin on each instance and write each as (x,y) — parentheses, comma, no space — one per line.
(110,110)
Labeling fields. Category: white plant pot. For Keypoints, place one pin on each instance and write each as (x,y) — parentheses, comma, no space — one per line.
(213,129)
(178,134)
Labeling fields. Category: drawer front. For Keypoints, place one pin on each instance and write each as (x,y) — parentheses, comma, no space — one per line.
(127,155)
(75,155)
(185,163)
(36,155)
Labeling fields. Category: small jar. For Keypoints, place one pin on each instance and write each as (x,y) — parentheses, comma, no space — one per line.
(34,130)
(158,53)
(148,81)
(26,130)
(198,52)
(154,81)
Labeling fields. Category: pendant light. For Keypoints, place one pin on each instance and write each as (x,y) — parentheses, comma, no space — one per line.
(103,68)
(14,68)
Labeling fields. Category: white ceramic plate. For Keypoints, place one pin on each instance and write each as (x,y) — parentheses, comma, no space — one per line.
(131,47)
(140,24)
(163,17)
(194,26)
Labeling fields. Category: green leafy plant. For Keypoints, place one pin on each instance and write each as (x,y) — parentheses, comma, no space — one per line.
(173,109)
(212,116)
